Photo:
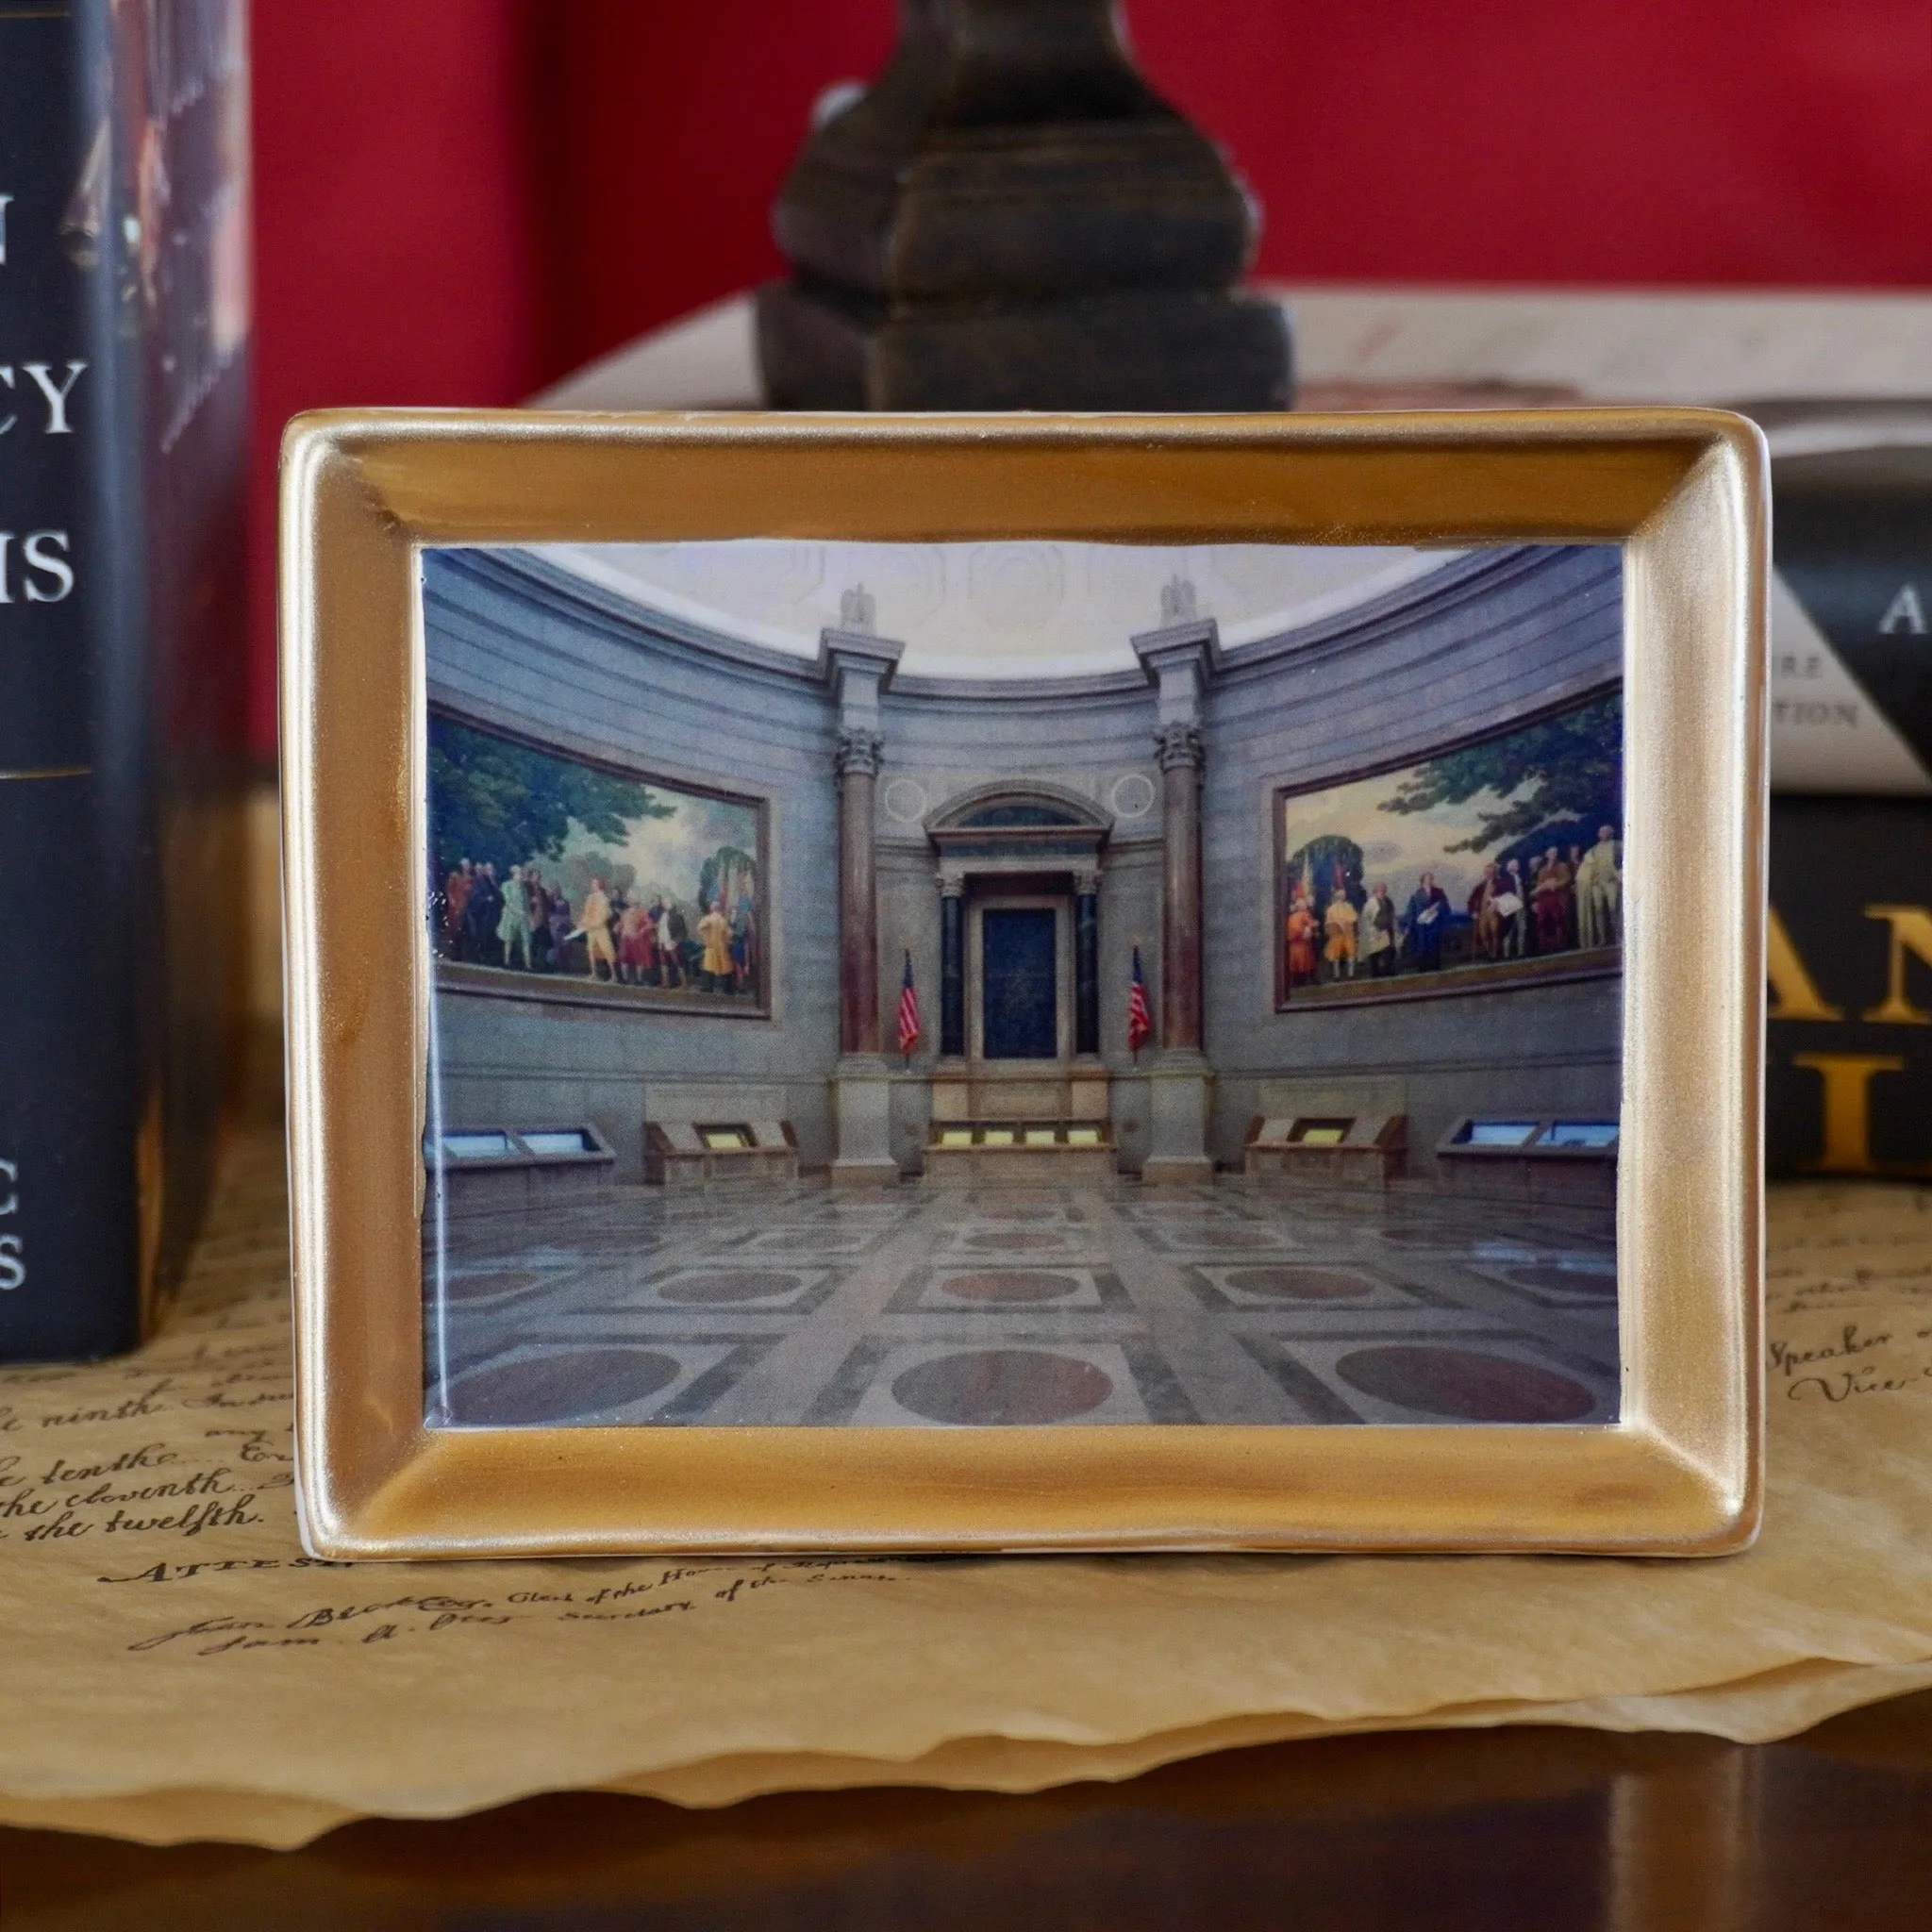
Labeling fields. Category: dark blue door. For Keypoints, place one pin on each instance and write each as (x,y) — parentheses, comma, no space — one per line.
(1018,985)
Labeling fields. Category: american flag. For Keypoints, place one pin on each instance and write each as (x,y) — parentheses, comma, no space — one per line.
(1139,1021)
(908,1010)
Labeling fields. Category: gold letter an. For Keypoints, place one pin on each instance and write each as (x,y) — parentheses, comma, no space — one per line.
(1795,994)
(1912,932)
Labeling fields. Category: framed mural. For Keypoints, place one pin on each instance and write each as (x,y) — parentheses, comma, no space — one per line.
(556,875)
(1497,860)
(576,1283)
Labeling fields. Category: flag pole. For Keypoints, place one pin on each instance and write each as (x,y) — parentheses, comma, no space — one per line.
(906,1039)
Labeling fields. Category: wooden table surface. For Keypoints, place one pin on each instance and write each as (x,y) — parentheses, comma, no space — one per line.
(1538,1828)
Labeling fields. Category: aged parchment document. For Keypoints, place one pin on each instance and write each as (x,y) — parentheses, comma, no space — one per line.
(176,1668)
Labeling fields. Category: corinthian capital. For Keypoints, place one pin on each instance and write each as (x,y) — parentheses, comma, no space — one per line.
(1177,745)
(860,752)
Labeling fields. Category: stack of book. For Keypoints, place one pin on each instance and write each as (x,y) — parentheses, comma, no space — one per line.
(1850,841)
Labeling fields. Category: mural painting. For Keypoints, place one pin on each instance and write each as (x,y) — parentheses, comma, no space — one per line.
(562,871)
(1499,860)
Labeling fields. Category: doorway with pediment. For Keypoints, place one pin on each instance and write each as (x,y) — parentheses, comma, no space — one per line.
(1018,1091)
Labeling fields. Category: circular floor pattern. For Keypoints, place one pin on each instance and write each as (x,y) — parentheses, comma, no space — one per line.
(1300,1283)
(1006,1285)
(1235,1238)
(1591,1280)
(1462,1383)
(562,1388)
(1021,1241)
(1002,1387)
(727,1285)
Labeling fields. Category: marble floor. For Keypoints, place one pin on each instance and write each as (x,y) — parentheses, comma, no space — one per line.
(924,1308)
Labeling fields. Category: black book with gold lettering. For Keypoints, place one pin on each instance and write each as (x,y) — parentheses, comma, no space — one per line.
(124,325)
(1849,1060)
(1851,600)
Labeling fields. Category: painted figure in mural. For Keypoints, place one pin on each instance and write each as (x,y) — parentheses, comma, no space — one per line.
(1600,891)
(637,943)
(1511,906)
(1550,901)
(513,921)
(1483,911)
(481,915)
(593,921)
(743,947)
(1378,933)
(455,904)
(1301,940)
(670,936)
(1427,920)
(536,921)
(562,929)
(714,934)
(1341,922)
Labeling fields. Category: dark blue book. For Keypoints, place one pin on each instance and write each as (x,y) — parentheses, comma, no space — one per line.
(124,330)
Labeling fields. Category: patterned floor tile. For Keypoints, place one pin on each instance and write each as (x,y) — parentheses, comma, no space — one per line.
(930,1308)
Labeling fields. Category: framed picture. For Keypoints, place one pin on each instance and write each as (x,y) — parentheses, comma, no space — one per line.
(1505,853)
(1024,983)
(622,878)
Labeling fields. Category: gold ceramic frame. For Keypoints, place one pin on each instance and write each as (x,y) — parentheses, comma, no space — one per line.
(1682,490)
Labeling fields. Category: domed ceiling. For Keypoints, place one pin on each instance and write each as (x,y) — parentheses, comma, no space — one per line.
(993,609)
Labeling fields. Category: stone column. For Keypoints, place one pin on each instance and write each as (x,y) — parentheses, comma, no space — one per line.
(1180,659)
(859,665)
(952,967)
(1087,963)
(858,893)
(1179,748)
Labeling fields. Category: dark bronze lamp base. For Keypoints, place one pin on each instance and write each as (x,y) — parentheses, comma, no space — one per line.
(1010,218)
(1152,349)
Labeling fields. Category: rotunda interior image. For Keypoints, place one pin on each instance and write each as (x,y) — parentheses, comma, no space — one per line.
(998,983)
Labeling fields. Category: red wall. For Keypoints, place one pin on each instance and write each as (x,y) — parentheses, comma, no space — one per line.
(459,198)
(396,213)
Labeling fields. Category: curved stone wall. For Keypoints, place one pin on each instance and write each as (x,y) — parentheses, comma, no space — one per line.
(1492,639)
(519,647)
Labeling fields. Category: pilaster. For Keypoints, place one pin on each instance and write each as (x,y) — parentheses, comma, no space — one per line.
(859,666)
(1179,658)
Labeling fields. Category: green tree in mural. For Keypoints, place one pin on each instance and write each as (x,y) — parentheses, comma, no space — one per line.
(1568,767)
(1321,864)
(491,799)
(728,875)
(579,868)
